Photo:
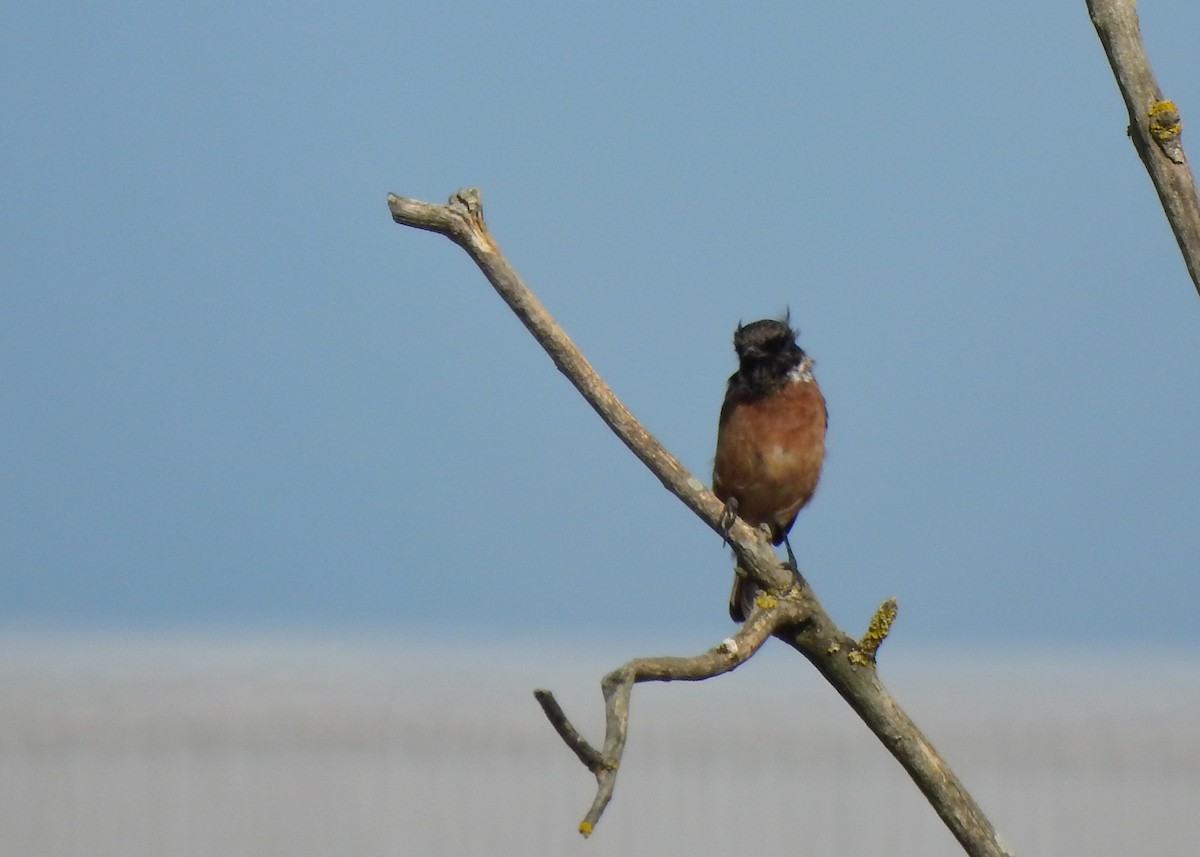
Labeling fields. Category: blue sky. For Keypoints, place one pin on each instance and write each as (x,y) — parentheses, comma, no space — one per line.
(237,396)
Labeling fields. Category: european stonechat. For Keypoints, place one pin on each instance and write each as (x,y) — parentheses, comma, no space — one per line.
(770,438)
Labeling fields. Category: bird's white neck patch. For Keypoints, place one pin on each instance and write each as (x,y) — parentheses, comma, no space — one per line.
(802,372)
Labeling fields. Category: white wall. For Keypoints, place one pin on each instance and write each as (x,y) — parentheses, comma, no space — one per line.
(169,747)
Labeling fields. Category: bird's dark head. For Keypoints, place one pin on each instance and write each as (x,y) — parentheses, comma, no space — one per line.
(767,352)
(769,342)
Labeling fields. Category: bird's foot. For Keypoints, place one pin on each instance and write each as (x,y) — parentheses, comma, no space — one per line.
(791,556)
(728,517)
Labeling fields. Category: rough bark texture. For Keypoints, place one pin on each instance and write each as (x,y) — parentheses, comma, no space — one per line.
(787,607)
(1154,124)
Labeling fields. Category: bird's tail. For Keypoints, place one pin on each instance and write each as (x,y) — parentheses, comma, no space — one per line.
(741,598)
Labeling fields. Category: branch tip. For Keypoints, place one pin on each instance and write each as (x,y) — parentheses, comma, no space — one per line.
(468,204)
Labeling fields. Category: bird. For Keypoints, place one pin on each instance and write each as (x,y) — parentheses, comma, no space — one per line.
(770,438)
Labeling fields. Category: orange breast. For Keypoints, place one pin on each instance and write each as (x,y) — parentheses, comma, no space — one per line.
(769,454)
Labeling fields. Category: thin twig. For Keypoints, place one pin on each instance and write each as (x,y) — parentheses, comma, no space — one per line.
(589,755)
(787,606)
(1154,124)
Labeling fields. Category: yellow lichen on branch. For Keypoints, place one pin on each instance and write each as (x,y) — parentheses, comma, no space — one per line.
(765,601)
(1164,119)
(1165,127)
(877,631)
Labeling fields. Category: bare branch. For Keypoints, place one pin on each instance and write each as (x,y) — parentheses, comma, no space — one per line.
(786,607)
(1154,124)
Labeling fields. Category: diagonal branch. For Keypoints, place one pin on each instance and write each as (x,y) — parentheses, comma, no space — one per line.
(461,220)
(1154,124)
(786,608)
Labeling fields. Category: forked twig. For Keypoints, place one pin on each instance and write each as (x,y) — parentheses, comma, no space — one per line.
(617,686)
